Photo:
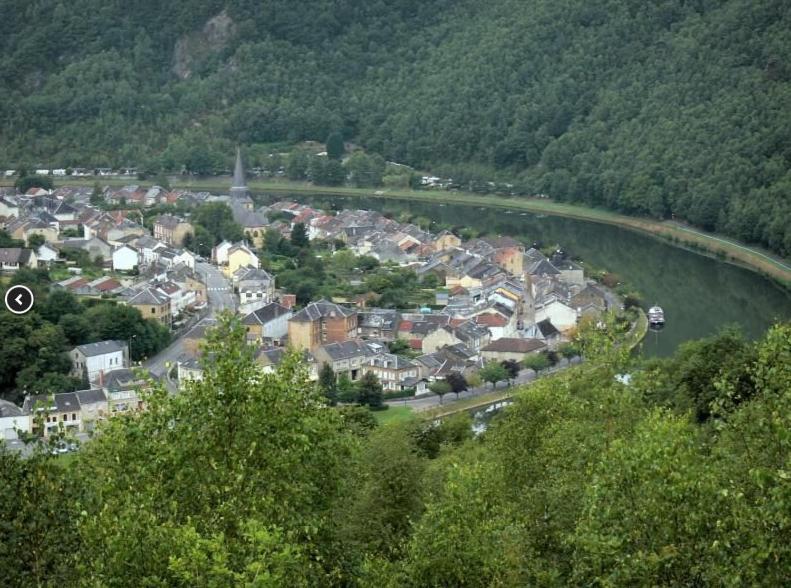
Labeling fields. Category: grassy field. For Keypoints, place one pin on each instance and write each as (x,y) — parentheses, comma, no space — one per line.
(726,249)
(394,414)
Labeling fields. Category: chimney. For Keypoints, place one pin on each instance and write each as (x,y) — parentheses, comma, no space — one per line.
(288,300)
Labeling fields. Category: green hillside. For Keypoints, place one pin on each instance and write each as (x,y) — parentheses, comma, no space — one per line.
(659,108)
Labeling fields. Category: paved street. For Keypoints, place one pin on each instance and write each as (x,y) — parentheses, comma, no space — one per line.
(220,297)
(219,288)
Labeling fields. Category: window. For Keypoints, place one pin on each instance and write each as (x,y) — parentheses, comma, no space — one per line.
(74,416)
(153,311)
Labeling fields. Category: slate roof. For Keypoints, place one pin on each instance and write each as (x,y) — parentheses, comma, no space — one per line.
(348,349)
(514,345)
(14,255)
(9,409)
(91,396)
(148,296)
(321,309)
(547,328)
(265,314)
(101,348)
(391,361)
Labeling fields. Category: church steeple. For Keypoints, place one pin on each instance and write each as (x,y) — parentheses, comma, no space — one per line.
(239,185)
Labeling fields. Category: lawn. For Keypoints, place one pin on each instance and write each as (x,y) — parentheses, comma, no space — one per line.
(394,414)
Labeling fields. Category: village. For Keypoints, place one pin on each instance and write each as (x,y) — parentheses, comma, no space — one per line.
(480,301)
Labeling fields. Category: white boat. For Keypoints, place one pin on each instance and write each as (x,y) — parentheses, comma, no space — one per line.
(656,316)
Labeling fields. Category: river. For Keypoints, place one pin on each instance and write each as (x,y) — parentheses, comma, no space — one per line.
(699,294)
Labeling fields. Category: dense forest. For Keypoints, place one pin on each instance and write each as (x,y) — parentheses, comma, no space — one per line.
(671,107)
(678,476)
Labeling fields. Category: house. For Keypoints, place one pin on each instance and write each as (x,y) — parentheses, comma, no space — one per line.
(8,208)
(172,229)
(320,323)
(446,240)
(185,257)
(255,286)
(12,421)
(570,272)
(123,387)
(92,360)
(545,331)
(152,304)
(93,407)
(506,252)
(416,327)
(378,323)
(94,246)
(38,226)
(563,316)
(590,301)
(189,370)
(468,332)
(349,358)
(46,254)
(270,358)
(268,325)
(125,258)
(219,253)
(179,298)
(510,348)
(240,256)
(149,249)
(57,410)
(394,372)
(12,258)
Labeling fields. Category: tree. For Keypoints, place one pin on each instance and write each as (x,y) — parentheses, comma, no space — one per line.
(23,184)
(328,384)
(297,165)
(493,372)
(299,236)
(347,391)
(440,388)
(511,367)
(97,198)
(399,347)
(335,147)
(457,382)
(259,506)
(536,362)
(35,241)
(369,391)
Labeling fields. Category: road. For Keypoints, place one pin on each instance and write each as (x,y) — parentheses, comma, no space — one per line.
(219,289)
(220,297)
(431,401)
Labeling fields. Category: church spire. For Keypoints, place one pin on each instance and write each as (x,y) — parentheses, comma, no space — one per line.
(239,185)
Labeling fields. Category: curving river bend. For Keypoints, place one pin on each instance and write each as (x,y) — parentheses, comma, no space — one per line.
(699,294)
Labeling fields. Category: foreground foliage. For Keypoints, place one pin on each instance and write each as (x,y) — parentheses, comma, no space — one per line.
(249,478)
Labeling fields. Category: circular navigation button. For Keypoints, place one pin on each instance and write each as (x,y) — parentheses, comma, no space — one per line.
(19,299)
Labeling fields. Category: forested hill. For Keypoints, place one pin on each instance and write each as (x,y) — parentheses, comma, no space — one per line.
(659,107)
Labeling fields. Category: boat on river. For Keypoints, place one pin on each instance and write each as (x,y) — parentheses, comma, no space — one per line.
(656,317)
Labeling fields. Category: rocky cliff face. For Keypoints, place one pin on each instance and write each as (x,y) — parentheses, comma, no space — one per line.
(194,47)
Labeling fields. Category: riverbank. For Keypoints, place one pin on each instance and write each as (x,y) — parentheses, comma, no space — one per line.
(678,234)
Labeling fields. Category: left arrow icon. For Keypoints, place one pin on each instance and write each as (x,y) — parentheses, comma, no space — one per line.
(19,299)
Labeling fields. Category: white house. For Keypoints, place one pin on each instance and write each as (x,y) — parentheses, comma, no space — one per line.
(268,324)
(12,419)
(125,258)
(46,254)
(219,253)
(559,314)
(186,258)
(96,359)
